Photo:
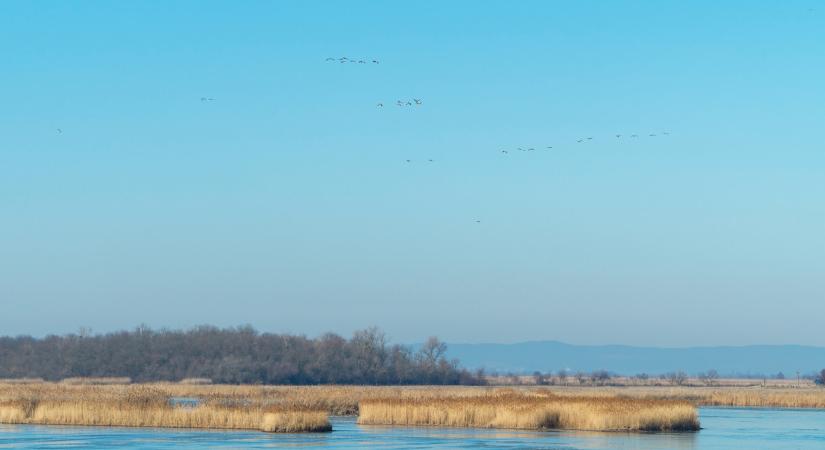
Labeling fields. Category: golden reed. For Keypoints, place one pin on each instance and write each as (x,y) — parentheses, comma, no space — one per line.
(148,406)
(534,412)
(304,408)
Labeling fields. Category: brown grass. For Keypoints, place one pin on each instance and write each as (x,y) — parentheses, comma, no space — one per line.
(809,397)
(146,406)
(229,406)
(538,411)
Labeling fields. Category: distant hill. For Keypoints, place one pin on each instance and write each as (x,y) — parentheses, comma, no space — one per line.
(527,357)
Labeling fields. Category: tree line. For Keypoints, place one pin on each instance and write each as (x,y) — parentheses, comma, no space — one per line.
(239,355)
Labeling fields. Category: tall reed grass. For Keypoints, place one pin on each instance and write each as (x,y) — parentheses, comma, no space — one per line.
(247,406)
(147,406)
(533,412)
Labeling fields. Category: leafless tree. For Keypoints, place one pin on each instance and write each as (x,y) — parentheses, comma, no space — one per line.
(709,377)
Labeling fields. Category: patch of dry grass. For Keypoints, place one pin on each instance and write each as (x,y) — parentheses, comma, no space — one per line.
(146,406)
(768,397)
(538,411)
(230,406)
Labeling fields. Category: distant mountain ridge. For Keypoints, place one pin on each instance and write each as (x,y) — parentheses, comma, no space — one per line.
(545,356)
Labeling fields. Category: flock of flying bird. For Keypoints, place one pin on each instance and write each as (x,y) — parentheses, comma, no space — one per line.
(580,141)
(418,102)
(345,60)
(414,102)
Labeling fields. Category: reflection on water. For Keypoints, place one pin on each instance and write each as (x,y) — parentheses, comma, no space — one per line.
(722,429)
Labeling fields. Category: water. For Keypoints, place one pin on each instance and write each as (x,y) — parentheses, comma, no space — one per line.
(723,428)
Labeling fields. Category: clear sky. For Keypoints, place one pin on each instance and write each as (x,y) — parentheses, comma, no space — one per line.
(287,203)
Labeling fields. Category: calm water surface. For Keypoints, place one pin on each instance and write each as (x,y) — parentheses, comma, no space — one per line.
(723,428)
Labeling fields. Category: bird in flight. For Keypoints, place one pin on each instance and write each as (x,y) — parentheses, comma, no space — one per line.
(409,103)
(330,59)
(207,99)
(505,152)
(579,140)
(375,61)
(530,149)
(549,147)
(409,160)
(652,135)
(429,160)
(618,135)
(417,101)
(361,61)
(399,103)
(590,139)
(59,131)
(380,105)
(478,221)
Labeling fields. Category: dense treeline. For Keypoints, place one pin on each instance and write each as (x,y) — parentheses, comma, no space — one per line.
(231,355)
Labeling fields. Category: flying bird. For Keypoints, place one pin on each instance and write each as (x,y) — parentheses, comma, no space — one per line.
(579,140)
(375,61)
(330,59)
(380,105)
(430,160)
(590,139)
(549,147)
(505,152)
(399,103)
(417,101)
(59,131)
(652,135)
(361,61)
(207,99)
(409,160)
(618,135)
(409,103)
(530,149)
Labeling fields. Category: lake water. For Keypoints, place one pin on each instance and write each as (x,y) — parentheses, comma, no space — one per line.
(723,428)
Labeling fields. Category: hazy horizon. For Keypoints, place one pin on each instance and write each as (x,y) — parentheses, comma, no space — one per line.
(190,162)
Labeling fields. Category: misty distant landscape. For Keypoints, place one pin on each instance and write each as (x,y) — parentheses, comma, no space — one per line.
(551,356)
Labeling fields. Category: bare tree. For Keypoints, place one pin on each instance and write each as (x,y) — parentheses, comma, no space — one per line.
(432,350)
(678,378)
(709,377)
(562,374)
(600,377)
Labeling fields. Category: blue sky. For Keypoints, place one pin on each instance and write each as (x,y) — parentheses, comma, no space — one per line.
(286,202)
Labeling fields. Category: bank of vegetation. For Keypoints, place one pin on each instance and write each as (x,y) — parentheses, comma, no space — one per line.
(231,355)
(149,406)
(532,411)
(306,408)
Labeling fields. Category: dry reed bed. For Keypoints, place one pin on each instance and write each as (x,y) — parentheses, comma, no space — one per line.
(533,412)
(147,406)
(807,397)
(296,408)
